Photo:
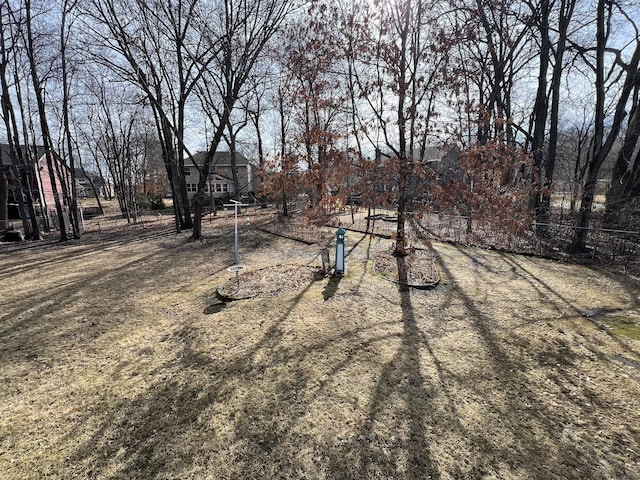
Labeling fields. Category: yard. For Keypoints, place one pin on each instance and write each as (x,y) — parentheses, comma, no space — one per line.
(118,362)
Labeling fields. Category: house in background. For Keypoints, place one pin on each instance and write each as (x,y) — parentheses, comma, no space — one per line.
(38,180)
(220,184)
(85,183)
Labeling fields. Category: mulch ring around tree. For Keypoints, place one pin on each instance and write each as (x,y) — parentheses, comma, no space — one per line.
(269,281)
(420,268)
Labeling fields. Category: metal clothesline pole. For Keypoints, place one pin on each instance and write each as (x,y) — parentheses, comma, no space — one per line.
(236,204)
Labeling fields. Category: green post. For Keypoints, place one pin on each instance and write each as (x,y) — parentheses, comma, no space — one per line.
(340,266)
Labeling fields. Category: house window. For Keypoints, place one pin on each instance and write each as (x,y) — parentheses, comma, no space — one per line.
(192,187)
(187,172)
(221,187)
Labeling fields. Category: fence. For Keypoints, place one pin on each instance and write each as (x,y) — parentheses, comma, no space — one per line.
(608,245)
(604,243)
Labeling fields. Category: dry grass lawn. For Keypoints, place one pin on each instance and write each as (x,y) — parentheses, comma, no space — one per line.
(117,363)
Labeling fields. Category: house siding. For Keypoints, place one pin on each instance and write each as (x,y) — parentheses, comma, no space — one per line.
(41,184)
(220,184)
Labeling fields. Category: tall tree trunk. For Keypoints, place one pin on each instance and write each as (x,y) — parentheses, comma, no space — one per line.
(622,175)
(260,141)
(23,172)
(187,222)
(596,155)
(283,146)
(167,157)
(4,199)
(566,13)
(540,117)
(585,213)
(71,194)
(19,194)
(403,170)
(44,127)
(601,145)
(23,175)
(204,174)
(234,162)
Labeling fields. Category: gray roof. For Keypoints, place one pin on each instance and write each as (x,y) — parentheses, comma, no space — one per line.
(222,158)
(5,153)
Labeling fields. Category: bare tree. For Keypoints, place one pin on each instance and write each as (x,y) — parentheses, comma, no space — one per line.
(490,52)
(244,28)
(625,177)
(317,103)
(164,49)
(403,65)
(20,171)
(118,135)
(254,106)
(66,22)
(603,140)
(39,89)
(564,17)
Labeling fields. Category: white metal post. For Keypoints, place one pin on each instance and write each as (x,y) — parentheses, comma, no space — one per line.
(236,204)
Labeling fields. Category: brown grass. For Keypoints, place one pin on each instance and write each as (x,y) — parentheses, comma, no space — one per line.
(116,366)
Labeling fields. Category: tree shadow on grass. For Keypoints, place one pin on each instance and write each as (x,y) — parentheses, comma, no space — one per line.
(562,303)
(248,415)
(161,427)
(401,393)
(267,391)
(33,331)
(60,253)
(396,437)
(161,431)
(533,423)
(402,398)
(525,453)
(363,266)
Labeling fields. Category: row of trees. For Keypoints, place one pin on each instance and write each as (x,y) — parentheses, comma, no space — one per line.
(104,71)
(339,98)
(503,83)
(24,75)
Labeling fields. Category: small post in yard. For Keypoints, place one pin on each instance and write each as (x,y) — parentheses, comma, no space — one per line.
(326,264)
(236,204)
(340,266)
(236,267)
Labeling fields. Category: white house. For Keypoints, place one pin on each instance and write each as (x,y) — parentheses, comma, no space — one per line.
(220,184)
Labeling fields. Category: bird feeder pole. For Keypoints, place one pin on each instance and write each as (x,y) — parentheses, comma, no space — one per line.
(340,266)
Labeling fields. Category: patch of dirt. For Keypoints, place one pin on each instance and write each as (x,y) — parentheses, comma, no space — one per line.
(420,269)
(269,282)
